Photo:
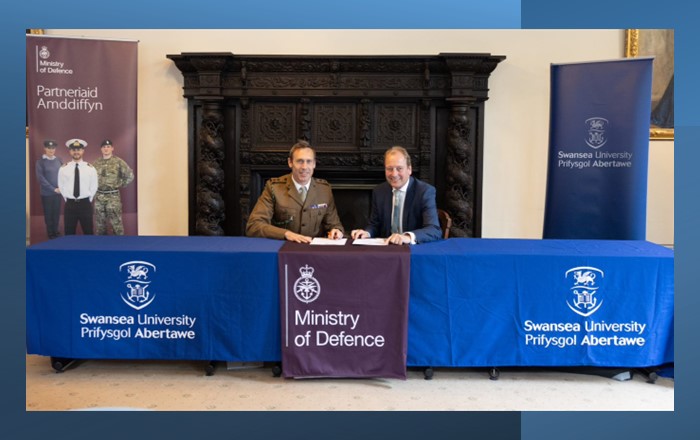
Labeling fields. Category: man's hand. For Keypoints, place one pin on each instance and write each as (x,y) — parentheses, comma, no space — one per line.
(298,238)
(335,234)
(359,233)
(399,239)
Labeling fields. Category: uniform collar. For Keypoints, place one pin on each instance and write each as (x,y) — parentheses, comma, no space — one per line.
(299,185)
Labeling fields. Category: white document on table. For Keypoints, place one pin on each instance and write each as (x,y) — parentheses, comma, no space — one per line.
(370,241)
(328,241)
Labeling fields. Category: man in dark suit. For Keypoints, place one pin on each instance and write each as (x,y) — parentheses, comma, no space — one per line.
(296,206)
(403,207)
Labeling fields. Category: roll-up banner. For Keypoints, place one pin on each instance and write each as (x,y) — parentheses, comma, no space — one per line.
(598,150)
(81,92)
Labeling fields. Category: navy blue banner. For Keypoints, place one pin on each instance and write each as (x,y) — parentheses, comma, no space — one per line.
(598,150)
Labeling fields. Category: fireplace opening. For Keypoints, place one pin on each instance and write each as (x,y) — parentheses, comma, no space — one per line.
(353,202)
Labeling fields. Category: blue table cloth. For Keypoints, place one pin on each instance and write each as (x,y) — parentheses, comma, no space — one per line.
(473,302)
(211,298)
(503,302)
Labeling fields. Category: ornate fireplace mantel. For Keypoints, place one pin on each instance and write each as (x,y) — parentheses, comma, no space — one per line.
(246,111)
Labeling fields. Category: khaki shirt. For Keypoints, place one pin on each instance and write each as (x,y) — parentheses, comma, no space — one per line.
(280,208)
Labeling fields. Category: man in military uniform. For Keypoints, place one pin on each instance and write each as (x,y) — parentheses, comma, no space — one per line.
(77,181)
(112,174)
(296,207)
(47,173)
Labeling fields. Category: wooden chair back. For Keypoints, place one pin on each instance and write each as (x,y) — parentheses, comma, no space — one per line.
(445,222)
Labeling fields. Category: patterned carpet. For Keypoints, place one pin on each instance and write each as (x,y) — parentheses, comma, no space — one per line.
(183,386)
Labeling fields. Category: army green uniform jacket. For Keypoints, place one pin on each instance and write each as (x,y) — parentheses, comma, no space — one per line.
(280,208)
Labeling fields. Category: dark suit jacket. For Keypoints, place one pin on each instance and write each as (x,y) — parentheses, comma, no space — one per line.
(419,212)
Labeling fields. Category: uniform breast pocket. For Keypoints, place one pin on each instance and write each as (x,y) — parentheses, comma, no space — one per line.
(283,218)
(319,210)
(317,214)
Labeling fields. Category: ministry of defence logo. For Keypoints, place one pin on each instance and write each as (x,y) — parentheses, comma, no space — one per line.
(138,280)
(596,132)
(307,288)
(44,53)
(586,280)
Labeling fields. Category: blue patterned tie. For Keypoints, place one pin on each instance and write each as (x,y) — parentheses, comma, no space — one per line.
(396,214)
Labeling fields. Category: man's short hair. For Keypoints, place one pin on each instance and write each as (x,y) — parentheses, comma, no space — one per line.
(298,146)
(398,149)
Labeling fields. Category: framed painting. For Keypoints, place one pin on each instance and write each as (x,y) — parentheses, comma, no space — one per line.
(659,44)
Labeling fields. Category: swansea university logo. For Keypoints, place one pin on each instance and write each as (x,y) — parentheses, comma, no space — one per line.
(307,288)
(596,132)
(137,283)
(586,284)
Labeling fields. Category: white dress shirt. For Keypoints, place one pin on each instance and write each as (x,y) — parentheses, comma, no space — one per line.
(88,180)
(403,190)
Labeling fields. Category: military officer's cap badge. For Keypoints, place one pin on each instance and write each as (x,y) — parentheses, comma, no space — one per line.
(76,143)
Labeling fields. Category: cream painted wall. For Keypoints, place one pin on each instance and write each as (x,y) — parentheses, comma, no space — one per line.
(516,125)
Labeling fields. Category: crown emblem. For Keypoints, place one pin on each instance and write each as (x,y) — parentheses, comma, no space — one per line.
(307,288)
(306,271)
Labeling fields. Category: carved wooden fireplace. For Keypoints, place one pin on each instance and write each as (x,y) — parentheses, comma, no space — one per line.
(245,112)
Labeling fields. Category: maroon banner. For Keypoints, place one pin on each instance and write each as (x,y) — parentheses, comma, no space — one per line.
(82,89)
(344,310)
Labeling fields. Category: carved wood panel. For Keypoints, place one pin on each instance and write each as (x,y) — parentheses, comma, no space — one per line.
(247,111)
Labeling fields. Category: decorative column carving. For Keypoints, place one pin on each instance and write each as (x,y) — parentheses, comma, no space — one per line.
(244,173)
(459,178)
(210,185)
(469,75)
(203,85)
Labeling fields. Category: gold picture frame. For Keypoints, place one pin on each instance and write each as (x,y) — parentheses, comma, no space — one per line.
(659,44)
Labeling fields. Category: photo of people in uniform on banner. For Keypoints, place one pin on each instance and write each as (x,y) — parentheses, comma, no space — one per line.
(81,137)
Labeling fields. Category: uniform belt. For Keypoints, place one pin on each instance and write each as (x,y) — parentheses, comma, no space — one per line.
(78,200)
(109,192)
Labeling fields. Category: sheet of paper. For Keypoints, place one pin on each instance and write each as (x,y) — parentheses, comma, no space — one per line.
(328,241)
(370,241)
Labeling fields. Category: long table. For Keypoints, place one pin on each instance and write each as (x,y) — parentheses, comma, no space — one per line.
(473,302)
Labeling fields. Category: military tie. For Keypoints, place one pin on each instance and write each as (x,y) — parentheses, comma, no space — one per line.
(396,213)
(302,191)
(76,182)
